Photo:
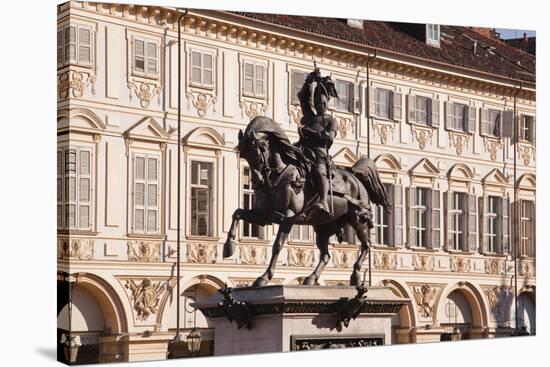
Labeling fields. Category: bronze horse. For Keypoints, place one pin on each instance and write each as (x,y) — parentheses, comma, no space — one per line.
(282,195)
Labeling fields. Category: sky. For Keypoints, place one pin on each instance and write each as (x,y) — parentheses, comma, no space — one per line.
(513,33)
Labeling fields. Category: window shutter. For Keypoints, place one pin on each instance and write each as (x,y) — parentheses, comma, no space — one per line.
(436,219)
(59,47)
(471,126)
(397,214)
(484,122)
(351,97)
(196,66)
(396,110)
(391,220)
(412,216)
(429,218)
(534,132)
(370,103)
(484,225)
(411,108)
(508,124)
(208,69)
(84,45)
(152,58)
(152,195)
(434,107)
(70,44)
(448,115)
(139,193)
(449,205)
(139,55)
(471,222)
(260,82)
(357,98)
(248,72)
(499,222)
(505,225)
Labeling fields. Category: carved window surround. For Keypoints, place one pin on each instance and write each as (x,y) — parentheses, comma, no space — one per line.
(253,104)
(493,145)
(459,140)
(201,97)
(145,88)
(384,129)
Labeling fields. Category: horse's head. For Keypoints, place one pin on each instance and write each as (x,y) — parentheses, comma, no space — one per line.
(254,147)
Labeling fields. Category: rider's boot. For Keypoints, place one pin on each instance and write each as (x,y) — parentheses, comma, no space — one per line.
(321,182)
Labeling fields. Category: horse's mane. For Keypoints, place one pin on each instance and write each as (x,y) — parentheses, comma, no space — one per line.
(278,139)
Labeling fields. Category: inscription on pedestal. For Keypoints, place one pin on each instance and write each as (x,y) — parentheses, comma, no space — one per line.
(316,342)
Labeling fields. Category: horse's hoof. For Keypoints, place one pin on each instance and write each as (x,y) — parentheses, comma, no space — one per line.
(260,282)
(310,280)
(229,248)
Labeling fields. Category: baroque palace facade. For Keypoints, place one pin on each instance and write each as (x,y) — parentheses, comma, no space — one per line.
(437,97)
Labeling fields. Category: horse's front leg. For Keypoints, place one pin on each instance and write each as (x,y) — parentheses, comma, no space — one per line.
(282,235)
(324,257)
(253,216)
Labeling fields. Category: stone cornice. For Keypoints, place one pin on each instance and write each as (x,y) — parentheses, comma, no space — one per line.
(229,27)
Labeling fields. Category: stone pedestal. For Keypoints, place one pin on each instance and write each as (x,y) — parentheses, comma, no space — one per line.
(295,317)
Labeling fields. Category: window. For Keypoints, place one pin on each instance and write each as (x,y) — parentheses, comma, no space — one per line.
(527,229)
(74,45)
(249,230)
(420,210)
(382,103)
(301,233)
(74,188)
(527,128)
(457,221)
(146,57)
(201,203)
(298,79)
(146,194)
(254,76)
(422,110)
(345,95)
(491,122)
(459,115)
(432,34)
(493,223)
(383,222)
(202,69)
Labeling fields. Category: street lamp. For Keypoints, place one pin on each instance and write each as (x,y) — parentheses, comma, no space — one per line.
(194,341)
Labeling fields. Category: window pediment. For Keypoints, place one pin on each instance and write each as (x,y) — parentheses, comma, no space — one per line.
(460,172)
(201,136)
(424,168)
(527,181)
(387,162)
(495,178)
(147,129)
(80,119)
(345,158)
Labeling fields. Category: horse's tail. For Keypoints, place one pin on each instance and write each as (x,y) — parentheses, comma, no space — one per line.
(365,170)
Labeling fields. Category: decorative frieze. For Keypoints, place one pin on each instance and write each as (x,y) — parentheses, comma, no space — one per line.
(526,152)
(202,253)
(385,261)
(295,113)
(74,82)
(252,255)
(526,268)
(499,299)
(494,266)
(423,262)
(75,248)
(493,146)
(253,108)
(144,92)
(146,251)
(201,101)
(345,124)
(422,135)
(343,258)
(300,256)
(384,130)
(145,296)
(460,264)
(424,296)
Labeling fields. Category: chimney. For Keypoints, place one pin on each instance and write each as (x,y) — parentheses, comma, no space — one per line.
(355,23)
(524,37)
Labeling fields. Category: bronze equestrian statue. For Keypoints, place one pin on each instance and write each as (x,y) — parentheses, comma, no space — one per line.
(293,183)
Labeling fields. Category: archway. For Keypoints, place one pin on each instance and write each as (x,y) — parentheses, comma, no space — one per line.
(404,321)
(527,312)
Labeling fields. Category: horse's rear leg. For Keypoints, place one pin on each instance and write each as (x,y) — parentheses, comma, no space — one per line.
(282,235)
(362,231)
(324,257)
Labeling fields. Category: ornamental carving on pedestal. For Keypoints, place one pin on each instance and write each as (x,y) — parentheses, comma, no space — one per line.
(494,266)
(385,261)
(299,256)
(384,130)
(343,258)
(492,146)
(252,255)
(146,251)
(423,262)
(459,141)
(201,101)
(76,82)
(424,296)
(75,249)
(295,113)
(253,108)
(526,153)
(202,253)
(460,264)
(499,299)
(422,135)
(144,92)
(145,296)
